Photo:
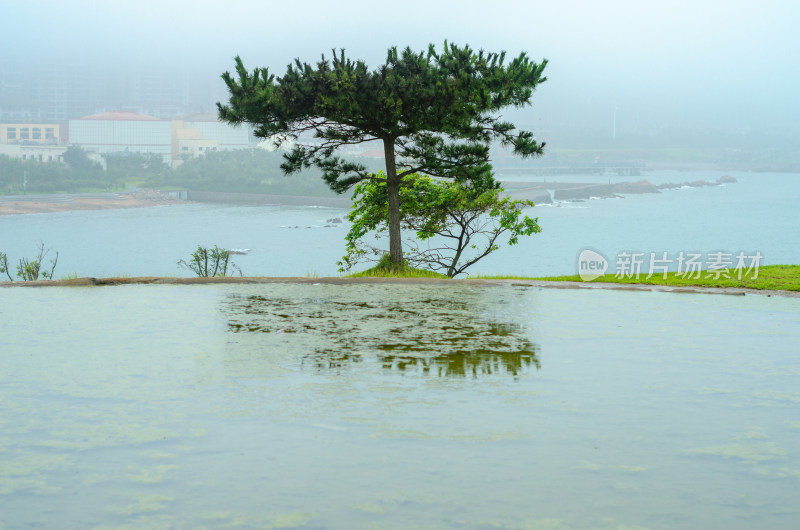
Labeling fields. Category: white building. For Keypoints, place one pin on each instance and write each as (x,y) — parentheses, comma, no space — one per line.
(175,140)
(39,153)
(117,132)
(197,134)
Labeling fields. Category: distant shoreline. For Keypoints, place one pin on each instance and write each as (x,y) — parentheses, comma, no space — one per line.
(33,204)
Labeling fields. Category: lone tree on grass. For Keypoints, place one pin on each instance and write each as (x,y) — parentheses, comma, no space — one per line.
(434,112)
(454,226)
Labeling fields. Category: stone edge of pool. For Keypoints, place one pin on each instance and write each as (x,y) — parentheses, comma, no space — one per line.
(156,280)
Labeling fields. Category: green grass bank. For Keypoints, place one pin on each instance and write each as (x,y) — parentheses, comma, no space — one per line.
(770,277)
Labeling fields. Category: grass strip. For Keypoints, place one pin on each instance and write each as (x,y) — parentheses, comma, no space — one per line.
(770,277)
(386,268)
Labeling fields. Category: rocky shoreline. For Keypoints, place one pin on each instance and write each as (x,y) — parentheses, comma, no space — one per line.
(539,192)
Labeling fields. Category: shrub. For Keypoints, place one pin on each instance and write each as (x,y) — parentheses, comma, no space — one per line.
(30,270)
(209,263)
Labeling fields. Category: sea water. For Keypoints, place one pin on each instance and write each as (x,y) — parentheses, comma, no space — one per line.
(395,406)
(759,213)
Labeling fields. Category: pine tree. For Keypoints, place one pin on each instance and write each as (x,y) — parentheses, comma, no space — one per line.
(434,113)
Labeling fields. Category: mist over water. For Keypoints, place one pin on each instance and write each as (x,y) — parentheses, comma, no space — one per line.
(683,74)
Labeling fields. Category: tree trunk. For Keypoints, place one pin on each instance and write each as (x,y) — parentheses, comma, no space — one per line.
(451,271)
(393,190)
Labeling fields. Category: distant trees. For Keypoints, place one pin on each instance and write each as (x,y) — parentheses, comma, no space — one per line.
(128,167)
(79,162)
(431,112)
(42,177)
(78,172)
(243,171)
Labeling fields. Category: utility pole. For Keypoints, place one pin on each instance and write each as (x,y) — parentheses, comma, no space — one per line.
(614,123)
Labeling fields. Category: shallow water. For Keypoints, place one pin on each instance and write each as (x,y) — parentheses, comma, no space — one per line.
(396,406)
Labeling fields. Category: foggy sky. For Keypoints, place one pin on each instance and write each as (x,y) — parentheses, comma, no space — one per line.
(728,65)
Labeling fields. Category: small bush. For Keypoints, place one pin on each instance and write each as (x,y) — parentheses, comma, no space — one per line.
(210,263)
(30,270)
(4,266)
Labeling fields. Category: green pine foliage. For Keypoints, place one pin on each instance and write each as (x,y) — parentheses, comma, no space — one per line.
(431,112)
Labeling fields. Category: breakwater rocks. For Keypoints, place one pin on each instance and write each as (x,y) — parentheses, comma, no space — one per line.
(725,179)
(539,192)
(604,190)
(538,196)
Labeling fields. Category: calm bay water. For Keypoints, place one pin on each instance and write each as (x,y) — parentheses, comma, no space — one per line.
(759,213)
(396,406)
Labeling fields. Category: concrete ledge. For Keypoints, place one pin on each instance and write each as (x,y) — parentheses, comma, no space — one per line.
(542,284)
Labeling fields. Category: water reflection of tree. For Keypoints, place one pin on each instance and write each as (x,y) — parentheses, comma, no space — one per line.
(437,336)
(465,364)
